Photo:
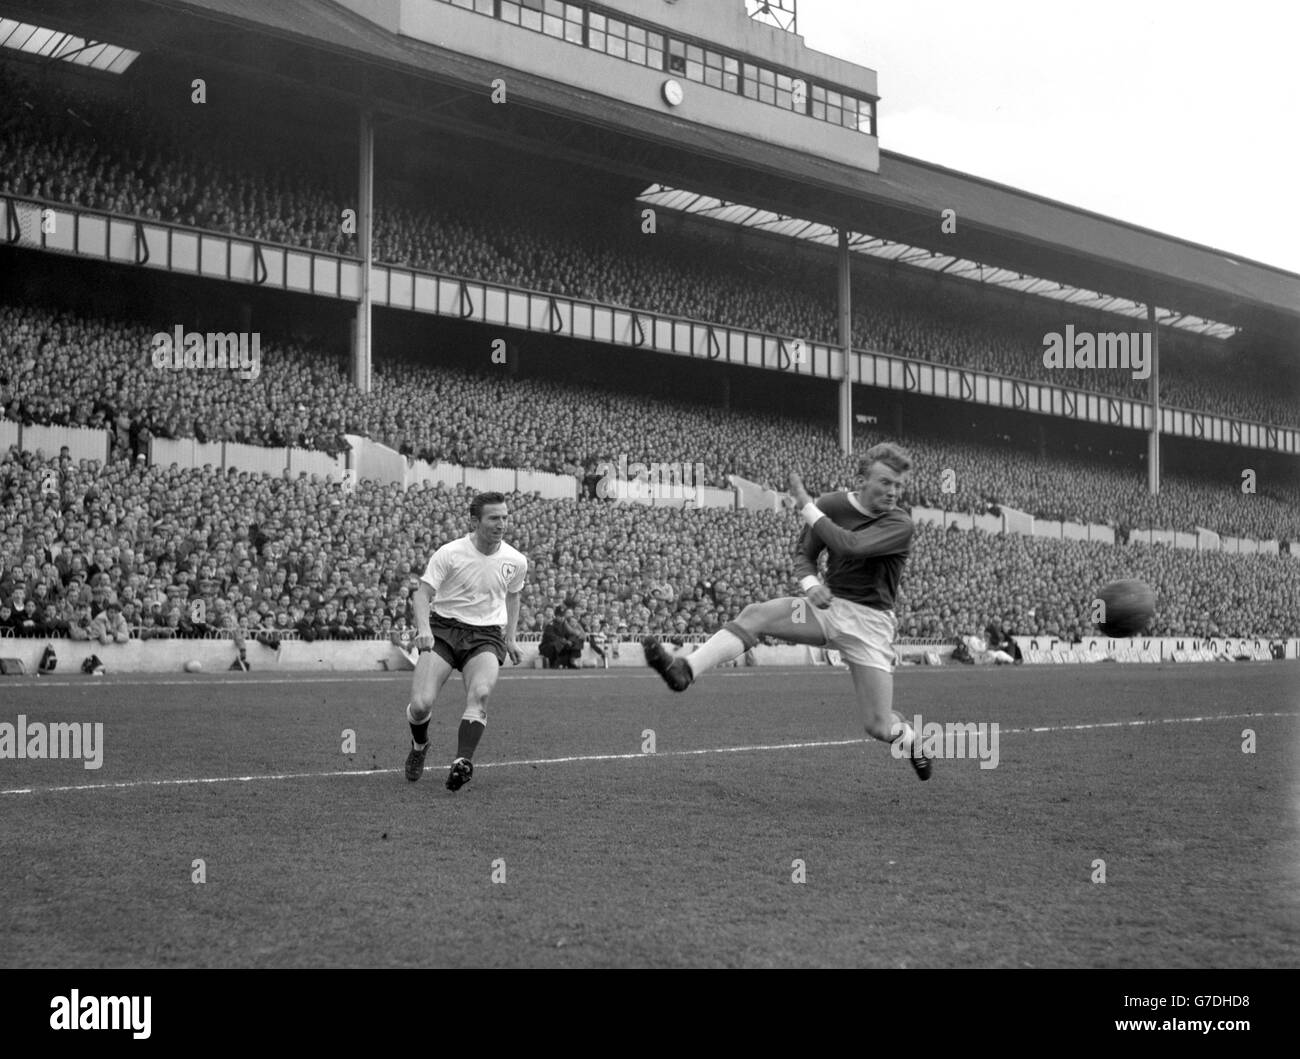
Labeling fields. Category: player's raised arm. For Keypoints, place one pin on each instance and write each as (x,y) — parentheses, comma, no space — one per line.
(889,536)
(807,550)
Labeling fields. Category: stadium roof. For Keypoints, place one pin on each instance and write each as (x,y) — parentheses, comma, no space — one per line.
(53,44)
(998,226)
(745,216)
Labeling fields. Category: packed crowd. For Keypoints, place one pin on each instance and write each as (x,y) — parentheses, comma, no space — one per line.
(958,580)
(64,145)
(108,552)
(60,368)
(269,184)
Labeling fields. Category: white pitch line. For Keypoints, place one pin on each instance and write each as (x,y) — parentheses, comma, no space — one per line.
(1158,720)
(369,676)
(382,772)
(756,748)
(379,676)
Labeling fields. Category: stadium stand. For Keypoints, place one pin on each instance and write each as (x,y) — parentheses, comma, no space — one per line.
(170,552)
(80,371)
(130,157)
(276,557)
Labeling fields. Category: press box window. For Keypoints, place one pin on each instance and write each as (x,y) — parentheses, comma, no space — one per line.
(713,69)
(677,57)
(526,13)
(695,62)
(731,74)
(785,91)
(866,117)
(654,56)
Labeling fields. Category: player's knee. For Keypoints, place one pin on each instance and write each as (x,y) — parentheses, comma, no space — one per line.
(885,728)
(419,709)
(884,724)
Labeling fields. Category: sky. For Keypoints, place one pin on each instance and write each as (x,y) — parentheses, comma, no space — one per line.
(1179,117)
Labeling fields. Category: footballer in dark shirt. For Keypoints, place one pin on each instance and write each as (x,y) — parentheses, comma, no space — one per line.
(868,538)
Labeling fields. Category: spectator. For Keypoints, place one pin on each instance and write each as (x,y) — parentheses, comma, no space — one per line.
(562,641)
(110,626)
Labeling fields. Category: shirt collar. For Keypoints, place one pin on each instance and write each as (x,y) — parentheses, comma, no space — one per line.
(857,504)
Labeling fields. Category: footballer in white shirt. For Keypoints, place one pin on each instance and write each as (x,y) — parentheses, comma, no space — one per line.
(466,609)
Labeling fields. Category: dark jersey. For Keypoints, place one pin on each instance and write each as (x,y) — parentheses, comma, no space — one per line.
(867,552)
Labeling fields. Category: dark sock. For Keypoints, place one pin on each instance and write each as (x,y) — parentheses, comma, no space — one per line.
(420,732)
(467,738)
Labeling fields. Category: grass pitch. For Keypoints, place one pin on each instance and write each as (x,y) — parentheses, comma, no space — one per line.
(684,857)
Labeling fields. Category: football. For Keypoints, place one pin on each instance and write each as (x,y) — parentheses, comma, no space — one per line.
(1129,608)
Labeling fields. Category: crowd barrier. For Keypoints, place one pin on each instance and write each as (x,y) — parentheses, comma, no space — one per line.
(377,462)
(753,496)
(1048,650)
(373,461)
(82,443)
(1206,541)
(230,455)
(1013,521)
(219,655)
(666,494)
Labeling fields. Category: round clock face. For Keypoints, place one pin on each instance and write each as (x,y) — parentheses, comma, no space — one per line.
(673,94)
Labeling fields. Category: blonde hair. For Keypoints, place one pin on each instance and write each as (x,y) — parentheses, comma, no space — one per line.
(895,457)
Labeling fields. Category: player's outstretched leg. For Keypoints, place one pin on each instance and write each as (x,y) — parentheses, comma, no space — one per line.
(673,668)
(462,771)
(786,619)
(431,673)
(920,762)
(415,756)
(875,691)
(480,676)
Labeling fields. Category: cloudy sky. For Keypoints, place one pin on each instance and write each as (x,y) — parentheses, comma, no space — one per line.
(1181,117)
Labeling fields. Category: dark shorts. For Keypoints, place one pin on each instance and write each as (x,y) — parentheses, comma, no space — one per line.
(456,643)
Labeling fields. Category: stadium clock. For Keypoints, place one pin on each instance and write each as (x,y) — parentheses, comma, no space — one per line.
(673,93)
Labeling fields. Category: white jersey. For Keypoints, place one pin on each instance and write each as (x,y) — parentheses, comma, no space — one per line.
(470,586)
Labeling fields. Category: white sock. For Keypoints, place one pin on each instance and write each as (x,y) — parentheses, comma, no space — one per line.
(722,646)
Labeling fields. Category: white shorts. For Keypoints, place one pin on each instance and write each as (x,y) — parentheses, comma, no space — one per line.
(862,634)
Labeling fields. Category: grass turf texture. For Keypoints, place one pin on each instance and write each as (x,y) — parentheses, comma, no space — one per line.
(660,860)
